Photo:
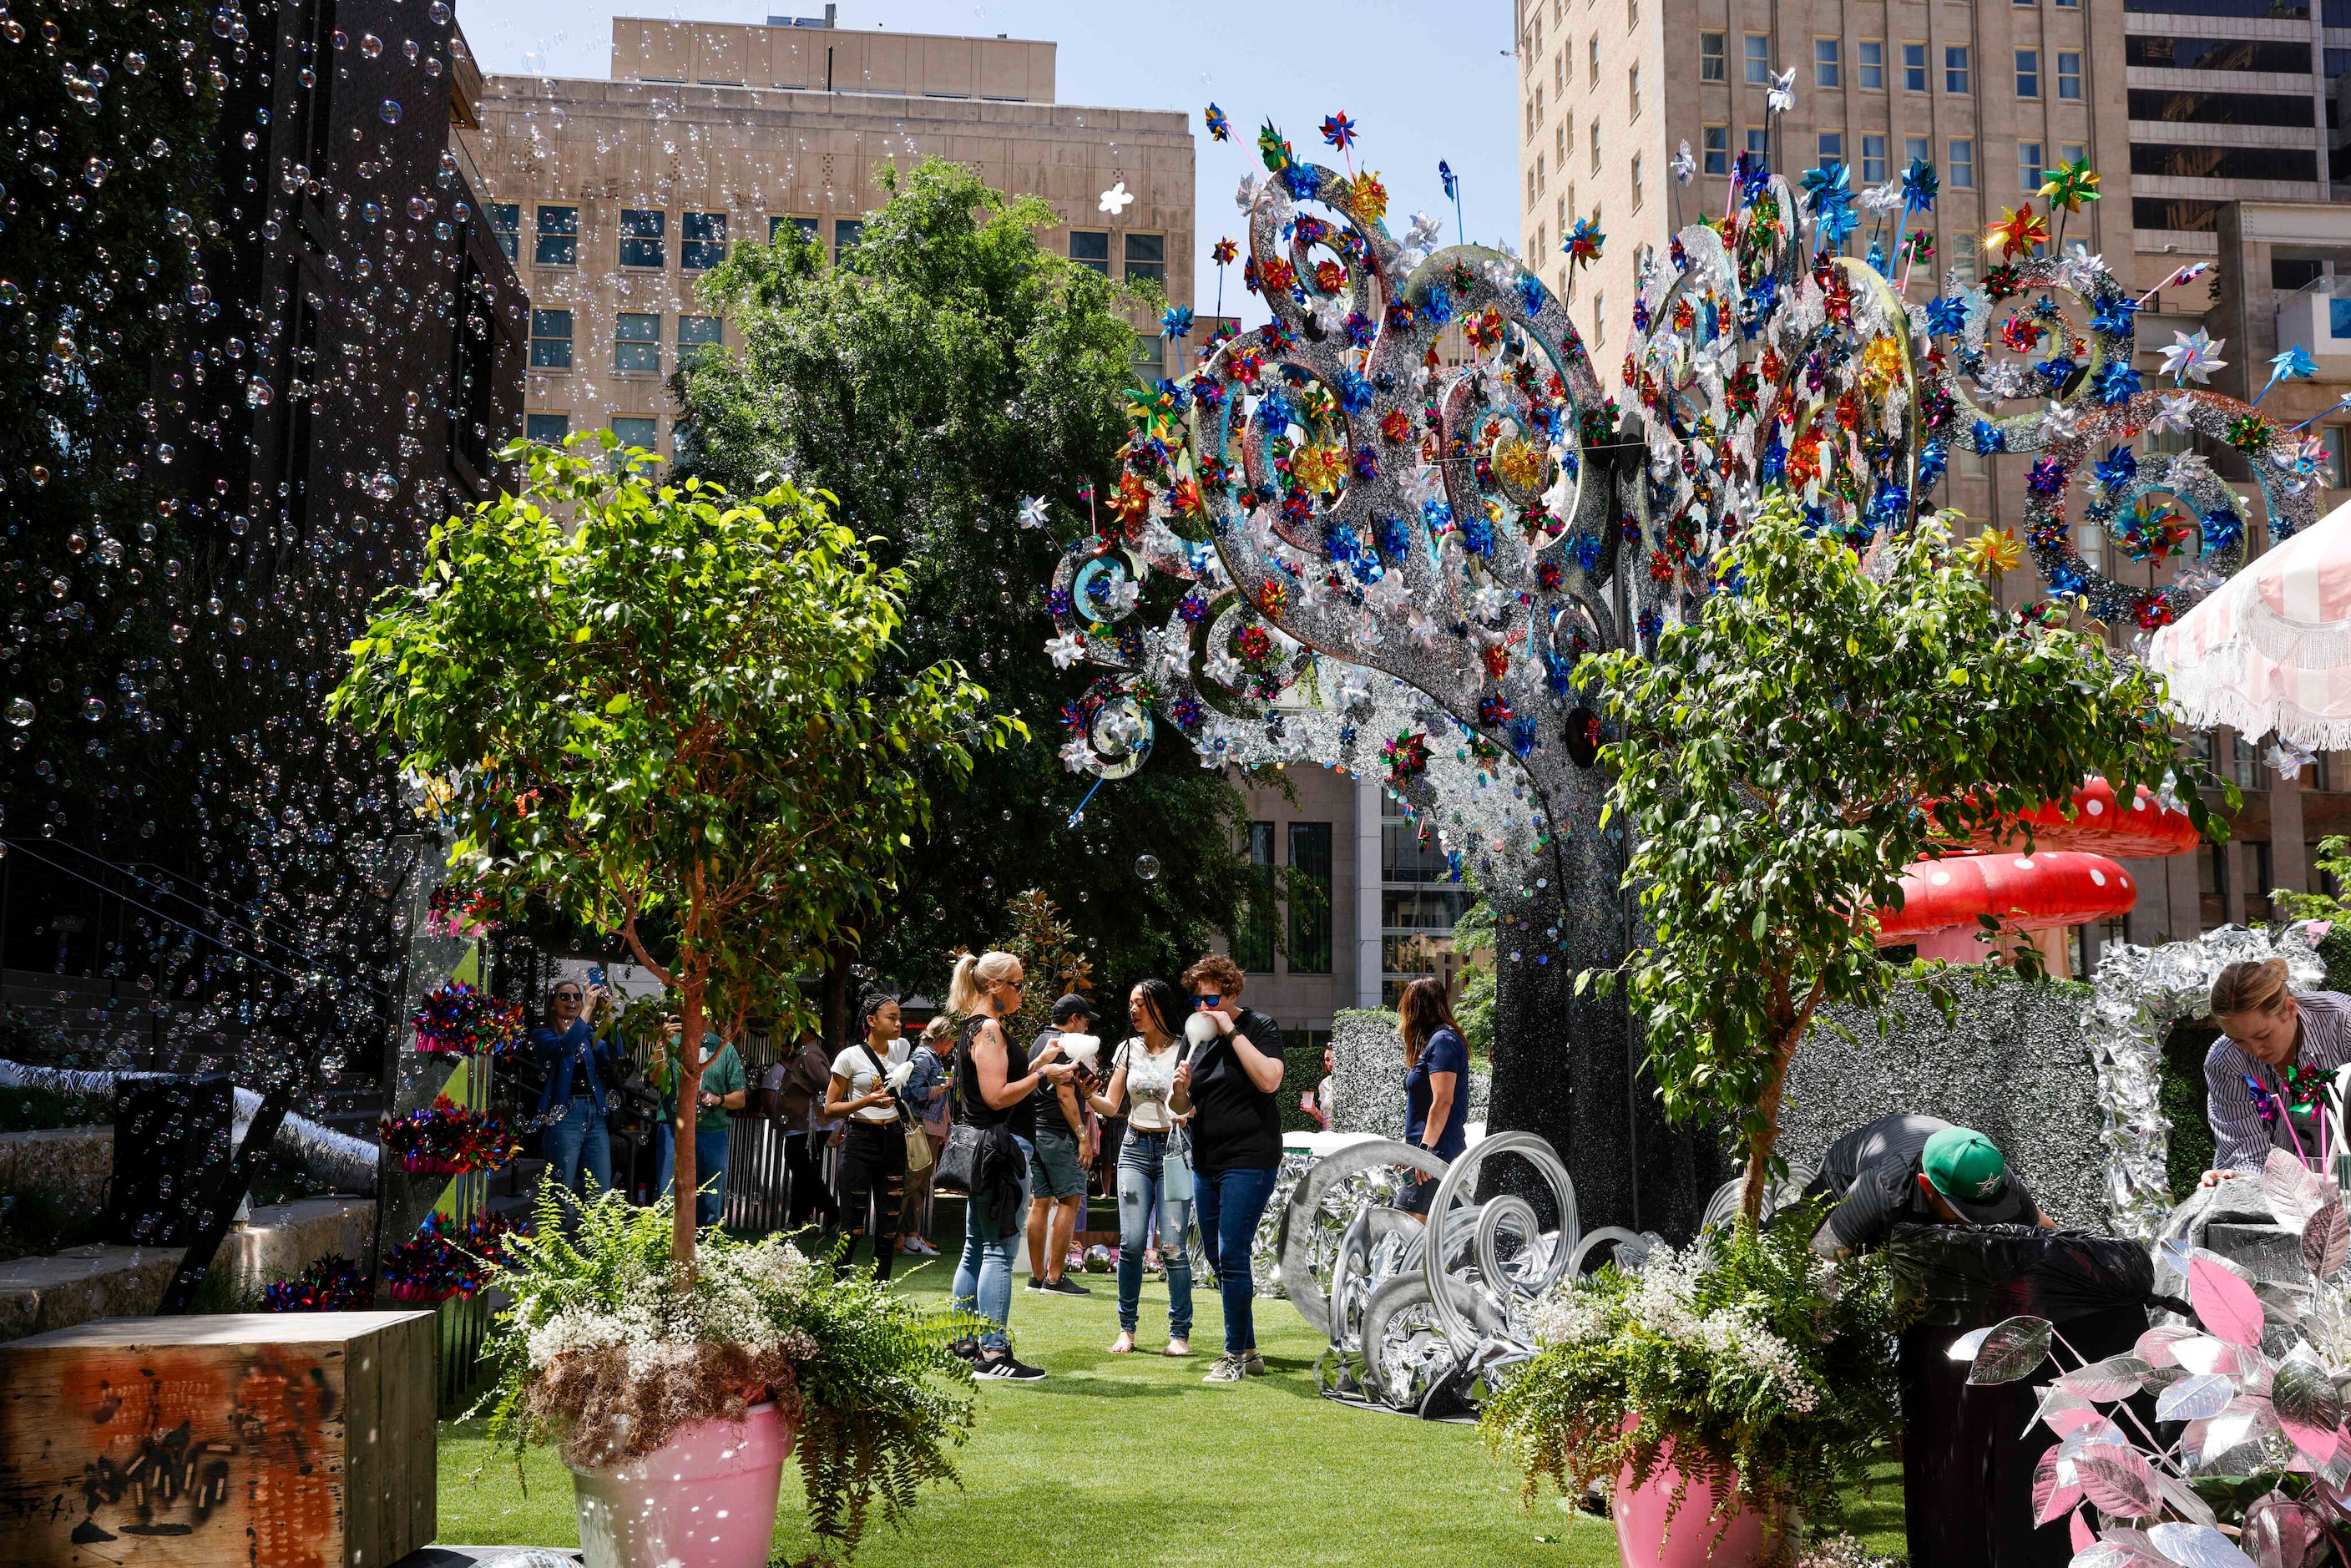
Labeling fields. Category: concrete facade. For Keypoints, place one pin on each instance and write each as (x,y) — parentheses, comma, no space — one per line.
(616,196)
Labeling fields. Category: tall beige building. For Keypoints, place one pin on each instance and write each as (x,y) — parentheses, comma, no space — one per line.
(616,198)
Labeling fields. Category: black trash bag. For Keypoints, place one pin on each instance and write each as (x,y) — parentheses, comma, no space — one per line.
(1971,1276)
(1966,1456)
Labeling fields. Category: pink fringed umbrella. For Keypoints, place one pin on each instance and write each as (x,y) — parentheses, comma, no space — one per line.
(2271,649)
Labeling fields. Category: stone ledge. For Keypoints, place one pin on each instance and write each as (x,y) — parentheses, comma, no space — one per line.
(71,1164)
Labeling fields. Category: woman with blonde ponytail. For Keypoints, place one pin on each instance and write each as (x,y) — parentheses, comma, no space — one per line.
(984,991)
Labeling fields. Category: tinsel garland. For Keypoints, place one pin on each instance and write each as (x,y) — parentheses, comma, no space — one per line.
(443,1260)
(447,1138)
(331,1284)
(456,1016)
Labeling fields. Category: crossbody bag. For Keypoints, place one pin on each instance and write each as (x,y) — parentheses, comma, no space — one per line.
(918,1143)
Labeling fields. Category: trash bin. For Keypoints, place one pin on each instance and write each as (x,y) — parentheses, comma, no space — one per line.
(1967,1475)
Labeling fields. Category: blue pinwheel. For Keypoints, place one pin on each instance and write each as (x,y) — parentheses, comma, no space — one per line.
(2295,365)
(1176,322)
(1339,131)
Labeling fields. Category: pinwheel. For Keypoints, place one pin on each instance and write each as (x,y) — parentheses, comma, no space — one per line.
(1994,551)
(2019,229)
(1220,128)
(1783,96)
(1583,242)
(1452,184)
(1370,196)
(2193,357)
(1032,512)
(1276,153)
(1684,166)
(1339,131)
(1222,253)
(1176,321)
(2295,365)
(1919,188)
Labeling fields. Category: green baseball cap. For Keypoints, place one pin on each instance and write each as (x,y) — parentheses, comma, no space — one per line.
(1968,1169)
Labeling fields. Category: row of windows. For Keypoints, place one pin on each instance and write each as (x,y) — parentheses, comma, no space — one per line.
(636,339)
(1869,65)
(2223,107)
(2181,162)
(2169,53)
(551,428)
(1308,910)
(1958,164)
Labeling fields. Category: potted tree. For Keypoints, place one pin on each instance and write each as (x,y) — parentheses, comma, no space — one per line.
(669,713)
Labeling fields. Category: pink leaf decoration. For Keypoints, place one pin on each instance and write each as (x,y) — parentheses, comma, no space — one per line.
(2079,1530)
(2117,1480)
(2154,1346)
(2224,1303)
(2066,1422)
(2053,1497)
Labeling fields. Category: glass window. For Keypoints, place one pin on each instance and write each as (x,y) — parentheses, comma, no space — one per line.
(1091,247)
(2073,152)
(636,341)
(2330,436)
(1632,15)
(505,222)
(803,229)
(1633,91)
(1872,61)
(1253,938)
(1917,150)
(1832,149)
(2028,73)
(2069,74)
(1599,316)
(702,238)
(1954,67)
(1914,67)
(1146,356)
(1961,170)
(550,340)
(1758,60)
(848,234)
(634,432)
(1713,61)
(2027,167)
(1717,141)
(1592,73)
(1636,182)
(643,238)
(1407,854)
(1872,159)
(1146,257)
(700,332)
(1309,898)
(1595,141)
(558,237)
(1827,64)
(546,429)
(1759,143)
(1964,249)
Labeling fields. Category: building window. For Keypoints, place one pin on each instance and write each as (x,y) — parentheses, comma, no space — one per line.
(546,429)
(702,241)
(1560,136)
(2069,74)
(1633,91)
(1534,178)
(1758,144)
(558,237)
(644,241)
(636,342)
(2028,73)
(848,234)
(1827,64)
(803,229)
(1147,353)
(1595,146)
(1632,15)
(2027,167)
(1309,898)
(1914,67)
(1713,63)
(1758,60)
(505,222)
(2073,152)
(1636,182)
(1917,150)
(1146,257)
(700,332)
(635,433)
(550,340)
(1961,172)
(1717,142)
(1832,149)
(1872,61)
(1592,54)
(1253,938)
(1964,249)
(1872,159)
(1599,316)
(1954,67)
(1091,247)
(2330,436)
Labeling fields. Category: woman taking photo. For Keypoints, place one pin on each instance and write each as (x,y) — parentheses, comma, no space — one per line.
(1154,1175)
(1435,1082)
(985,992)
(873,1162)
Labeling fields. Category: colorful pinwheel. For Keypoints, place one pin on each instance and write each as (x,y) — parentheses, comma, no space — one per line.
(1339,131)
(1277,154)
(1920,186)
(1224,252)
(1220,128)
(1583,242)
(2295,365)
(1176,322)
(2019,229)
(2193,357)
(2070,186)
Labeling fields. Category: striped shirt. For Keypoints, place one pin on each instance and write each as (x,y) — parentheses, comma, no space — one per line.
(2240,1140)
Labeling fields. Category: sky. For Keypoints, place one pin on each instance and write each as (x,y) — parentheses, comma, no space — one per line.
(1422,81)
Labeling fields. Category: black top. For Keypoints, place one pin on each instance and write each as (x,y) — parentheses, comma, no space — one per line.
(1045,1101)
(1873,1172)
(972,1106)
(1235,1125)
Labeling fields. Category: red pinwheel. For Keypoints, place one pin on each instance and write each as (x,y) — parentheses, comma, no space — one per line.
(1339,131)
(1223,252)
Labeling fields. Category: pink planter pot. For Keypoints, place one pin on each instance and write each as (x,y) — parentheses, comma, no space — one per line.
(707,1499)
(1645,1540)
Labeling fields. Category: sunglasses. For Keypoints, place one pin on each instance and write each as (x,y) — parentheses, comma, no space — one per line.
(567,995)
(1015,985)
(1206,999)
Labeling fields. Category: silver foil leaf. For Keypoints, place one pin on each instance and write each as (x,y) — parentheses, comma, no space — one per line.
(2012,1351)
(2196,1398)
(2197,1546)
(2110,1379)
(2326,1239)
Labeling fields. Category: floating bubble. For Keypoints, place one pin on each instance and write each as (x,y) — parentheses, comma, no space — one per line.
(389,111)
(93,709)
(257,393)
(370,46)
(382,485)
(21,712)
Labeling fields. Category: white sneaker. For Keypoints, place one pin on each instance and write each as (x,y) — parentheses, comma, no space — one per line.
(1226,1369)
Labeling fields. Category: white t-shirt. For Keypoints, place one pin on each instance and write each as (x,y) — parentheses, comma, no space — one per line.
(857,1066)
(1150,1083)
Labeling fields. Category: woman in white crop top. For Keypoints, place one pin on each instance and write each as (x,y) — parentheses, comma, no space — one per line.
(1154,1166)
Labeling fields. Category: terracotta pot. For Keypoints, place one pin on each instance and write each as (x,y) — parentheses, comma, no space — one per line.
(1695,1538)
(705,1498)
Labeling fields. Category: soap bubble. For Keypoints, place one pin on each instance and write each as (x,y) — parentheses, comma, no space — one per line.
(1148,867)
(389,111)
(21,713)
(93,710)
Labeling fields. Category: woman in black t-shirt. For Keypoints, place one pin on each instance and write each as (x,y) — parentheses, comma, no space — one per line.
(1232,1086)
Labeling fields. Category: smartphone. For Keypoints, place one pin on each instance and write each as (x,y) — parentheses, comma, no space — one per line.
(596,974)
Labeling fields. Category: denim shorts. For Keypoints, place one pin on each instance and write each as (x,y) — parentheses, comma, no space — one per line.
(1054,1168)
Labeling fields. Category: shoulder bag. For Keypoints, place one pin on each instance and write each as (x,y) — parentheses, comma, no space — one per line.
(960,1157)
(1175,1175)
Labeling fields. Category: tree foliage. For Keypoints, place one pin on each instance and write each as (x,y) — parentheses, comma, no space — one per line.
(676,706)
(941,374)
(1818,727)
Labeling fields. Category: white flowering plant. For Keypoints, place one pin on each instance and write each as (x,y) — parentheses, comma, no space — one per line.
(1742,1362)
(611,1346)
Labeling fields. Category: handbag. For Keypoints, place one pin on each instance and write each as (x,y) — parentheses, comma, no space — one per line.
(1176,1179)
(918,1149)
(958,1160)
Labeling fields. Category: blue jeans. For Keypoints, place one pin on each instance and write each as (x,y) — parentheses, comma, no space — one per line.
(983,1276)
(1143,1191)
(709,1171)
(580,1145)
(1230,1204)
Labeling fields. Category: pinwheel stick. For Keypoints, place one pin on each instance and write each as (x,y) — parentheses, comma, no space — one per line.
(2340,402)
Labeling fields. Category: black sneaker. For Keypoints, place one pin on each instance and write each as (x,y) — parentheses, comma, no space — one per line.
(1002,1368)
(965,1349)
(1065,1286)
(1035,1283)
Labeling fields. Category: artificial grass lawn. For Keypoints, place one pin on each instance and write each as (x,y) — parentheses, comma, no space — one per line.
(1133,1459)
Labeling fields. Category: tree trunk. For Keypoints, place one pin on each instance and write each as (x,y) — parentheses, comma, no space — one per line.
(837,960)
(685,1180)
(1757,1178)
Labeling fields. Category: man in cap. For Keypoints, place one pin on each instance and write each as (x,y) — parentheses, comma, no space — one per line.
(1056,1169)
(1917,1170)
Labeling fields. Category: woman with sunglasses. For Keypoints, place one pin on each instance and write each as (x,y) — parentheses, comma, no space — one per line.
(1231,1087)
(986,990)
(1153,1179)
(578,1142)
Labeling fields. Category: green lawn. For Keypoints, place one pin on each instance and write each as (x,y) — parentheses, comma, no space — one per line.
(1132,1459)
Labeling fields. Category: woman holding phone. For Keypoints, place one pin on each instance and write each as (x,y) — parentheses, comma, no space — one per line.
(1232,1086)
(1154,1176)
(873,1162)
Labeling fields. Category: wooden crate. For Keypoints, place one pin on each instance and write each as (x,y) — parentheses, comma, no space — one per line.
(274,1440)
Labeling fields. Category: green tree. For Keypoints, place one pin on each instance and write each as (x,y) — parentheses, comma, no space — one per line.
(674,707)
(943,371)
(1817,728)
